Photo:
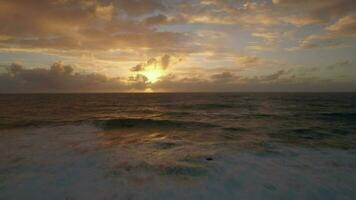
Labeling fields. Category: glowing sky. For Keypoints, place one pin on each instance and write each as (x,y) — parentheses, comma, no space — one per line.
(177,45)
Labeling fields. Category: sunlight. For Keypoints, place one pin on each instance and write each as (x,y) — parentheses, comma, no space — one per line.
(153,73)
(148,90)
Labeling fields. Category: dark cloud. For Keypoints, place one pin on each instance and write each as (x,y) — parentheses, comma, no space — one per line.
(138,82)
(224,77)
(138,78)
(248,60)
(63,78)
(156,20)
(273,77)
(58,78)
(137,68)
(14,68)
(229,82)
(165,61)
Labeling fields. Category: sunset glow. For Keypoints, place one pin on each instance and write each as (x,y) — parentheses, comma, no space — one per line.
(153,73)
(176,45)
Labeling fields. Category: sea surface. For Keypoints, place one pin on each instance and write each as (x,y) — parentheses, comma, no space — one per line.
(178,146)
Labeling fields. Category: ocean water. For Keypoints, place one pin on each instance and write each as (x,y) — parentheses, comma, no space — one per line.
(178,146)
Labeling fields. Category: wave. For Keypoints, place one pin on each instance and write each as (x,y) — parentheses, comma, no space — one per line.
(338,116)
(112,123)
(150,123)
(205,106)
(177,113)
(23,124)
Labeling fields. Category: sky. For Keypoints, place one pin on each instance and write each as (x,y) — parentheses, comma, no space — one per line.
(177,46)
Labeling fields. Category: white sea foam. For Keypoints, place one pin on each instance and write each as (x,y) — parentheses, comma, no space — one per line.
(86,162)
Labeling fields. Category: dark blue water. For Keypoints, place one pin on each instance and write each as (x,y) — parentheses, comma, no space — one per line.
(178,146)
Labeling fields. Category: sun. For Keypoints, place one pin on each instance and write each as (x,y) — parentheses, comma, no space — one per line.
(153,73)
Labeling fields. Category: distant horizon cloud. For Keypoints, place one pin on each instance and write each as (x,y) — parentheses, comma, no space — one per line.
(61,78)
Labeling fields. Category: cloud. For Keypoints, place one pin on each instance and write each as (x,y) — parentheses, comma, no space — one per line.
(344,26)
(337,35)
(137,68)
(224,77)
(104,12)
(264,13)
(63,78)
(105,25)
(279,81)
(270,36)
(345,64)
(58,78)
(322,41)
(273,77)
(111,36)
(140,7)
(316,11)
(248,60)
(269,41)
(163,63)
(84,25)
(156,20)
(14,68)
(138,82)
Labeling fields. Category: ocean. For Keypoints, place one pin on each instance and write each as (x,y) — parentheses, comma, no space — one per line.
(178,146)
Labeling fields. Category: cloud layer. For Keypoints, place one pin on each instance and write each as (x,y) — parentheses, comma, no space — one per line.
(223,45)
(63,78)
